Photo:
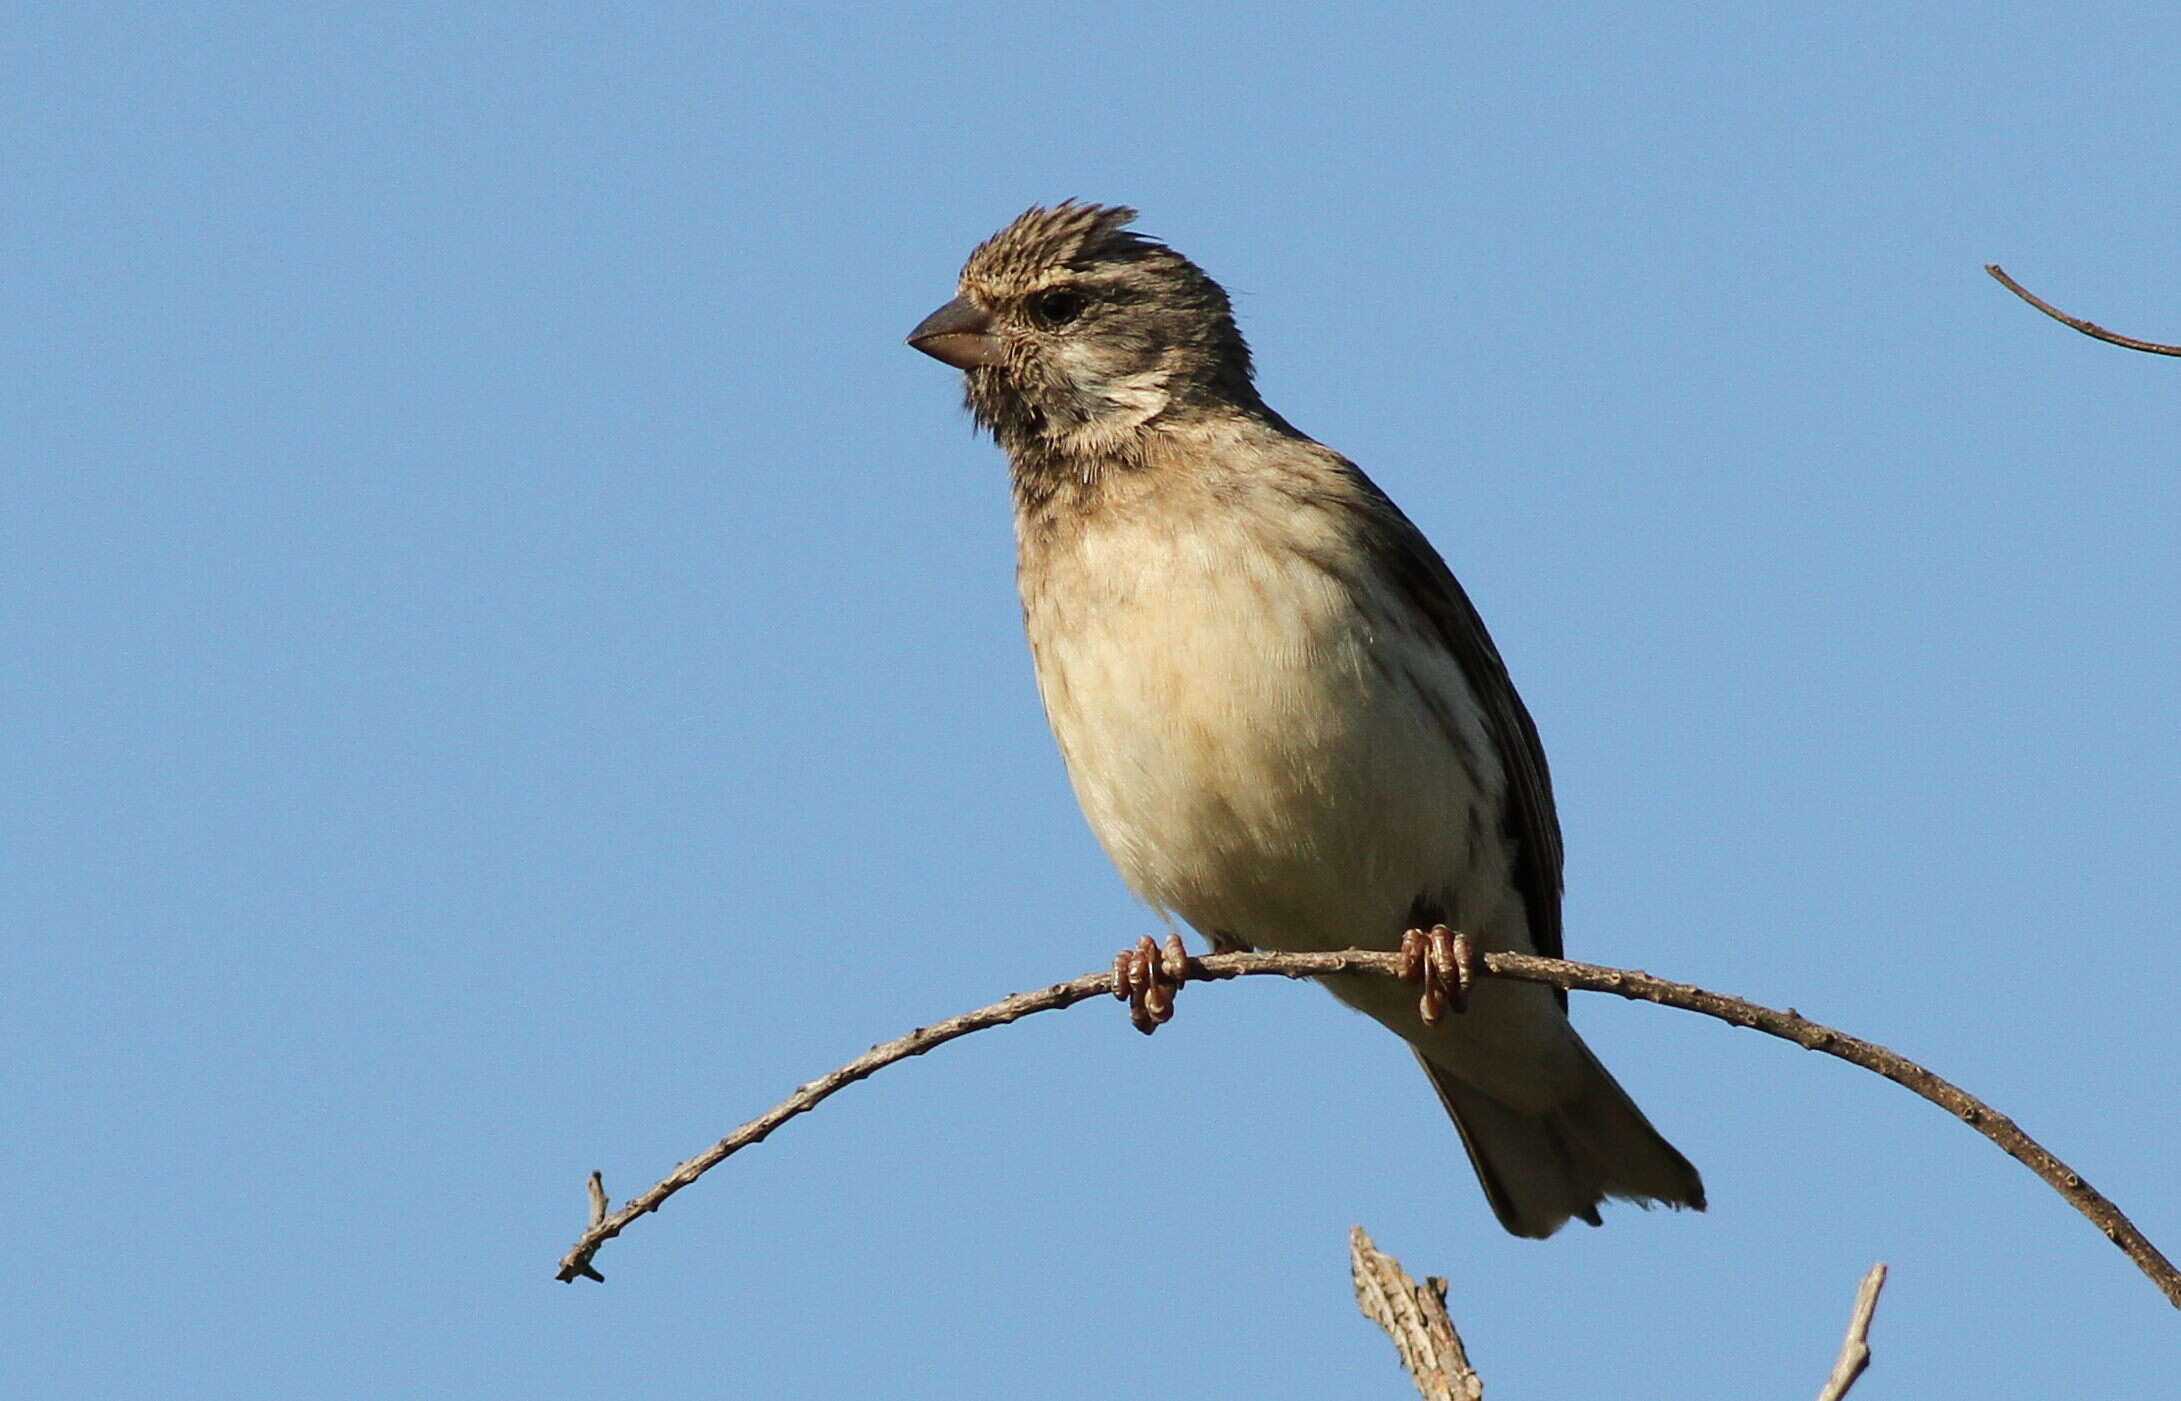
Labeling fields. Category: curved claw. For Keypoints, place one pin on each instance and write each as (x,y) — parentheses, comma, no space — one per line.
(1445,962)
(1146,977)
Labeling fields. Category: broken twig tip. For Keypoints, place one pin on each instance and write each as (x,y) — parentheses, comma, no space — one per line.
(1855,1349)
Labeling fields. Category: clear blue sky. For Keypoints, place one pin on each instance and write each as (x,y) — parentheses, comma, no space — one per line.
(513,666)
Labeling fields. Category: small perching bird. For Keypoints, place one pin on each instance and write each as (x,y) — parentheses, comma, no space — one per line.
(1282,717)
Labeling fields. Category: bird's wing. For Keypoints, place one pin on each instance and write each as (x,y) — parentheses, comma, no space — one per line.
(1531,819)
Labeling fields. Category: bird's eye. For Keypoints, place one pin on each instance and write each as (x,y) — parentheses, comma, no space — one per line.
(1057,307)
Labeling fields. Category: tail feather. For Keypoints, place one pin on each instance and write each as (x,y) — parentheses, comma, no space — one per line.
(1538,1170)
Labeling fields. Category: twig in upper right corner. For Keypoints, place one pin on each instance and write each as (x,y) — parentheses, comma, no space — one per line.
(2089,328)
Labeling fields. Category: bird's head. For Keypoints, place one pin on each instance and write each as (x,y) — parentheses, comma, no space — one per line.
(1074,333)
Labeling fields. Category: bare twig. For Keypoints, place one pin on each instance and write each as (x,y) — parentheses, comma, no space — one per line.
(2089,328)
(1415,1317)
(1580,977)
(1855,1349)
(1423,1333)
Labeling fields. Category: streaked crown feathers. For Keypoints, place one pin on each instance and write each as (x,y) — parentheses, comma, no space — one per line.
(1061,237)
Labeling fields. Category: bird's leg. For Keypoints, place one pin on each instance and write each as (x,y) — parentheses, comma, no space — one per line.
(1445,962)
(1146,977)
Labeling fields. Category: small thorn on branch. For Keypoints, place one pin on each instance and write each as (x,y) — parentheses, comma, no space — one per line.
(578,1265)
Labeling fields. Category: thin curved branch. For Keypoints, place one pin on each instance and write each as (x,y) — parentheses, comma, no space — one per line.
(2089,328)
(1525,968)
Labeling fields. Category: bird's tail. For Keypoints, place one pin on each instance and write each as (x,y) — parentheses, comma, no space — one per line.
(1540,1169)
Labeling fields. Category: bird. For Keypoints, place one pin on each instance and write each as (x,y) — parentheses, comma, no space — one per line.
(1281,715)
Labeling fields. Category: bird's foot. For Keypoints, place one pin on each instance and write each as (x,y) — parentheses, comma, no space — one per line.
(1445,962)
(1146,977)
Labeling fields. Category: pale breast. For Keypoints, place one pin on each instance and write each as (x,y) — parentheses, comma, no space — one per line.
(1262,738)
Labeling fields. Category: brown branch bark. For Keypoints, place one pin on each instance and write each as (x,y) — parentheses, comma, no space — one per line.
(2089,328)
(1415,1317)
(1578,977)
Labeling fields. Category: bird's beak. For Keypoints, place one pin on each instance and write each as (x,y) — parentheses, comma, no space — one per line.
(959,334)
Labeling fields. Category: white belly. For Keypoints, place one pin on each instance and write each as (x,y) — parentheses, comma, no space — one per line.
(1248,740)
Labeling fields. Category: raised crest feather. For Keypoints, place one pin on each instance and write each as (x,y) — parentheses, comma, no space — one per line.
(1067,234)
